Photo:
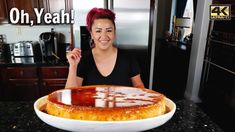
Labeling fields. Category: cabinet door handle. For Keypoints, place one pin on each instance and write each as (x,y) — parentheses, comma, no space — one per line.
(44,83)
(35,83)
(21,73)
(55,73)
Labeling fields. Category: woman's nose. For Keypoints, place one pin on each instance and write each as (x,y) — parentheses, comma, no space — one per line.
(104,34)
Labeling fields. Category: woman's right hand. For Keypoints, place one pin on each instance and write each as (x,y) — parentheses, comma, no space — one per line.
(74,57)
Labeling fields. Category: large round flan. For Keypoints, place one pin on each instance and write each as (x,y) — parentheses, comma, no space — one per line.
(106,103)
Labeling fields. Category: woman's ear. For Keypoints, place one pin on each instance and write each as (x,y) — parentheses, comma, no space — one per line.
(91,35)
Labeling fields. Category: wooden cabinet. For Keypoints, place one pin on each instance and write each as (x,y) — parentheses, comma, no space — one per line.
(1,83)
(26,5)
(21,72)
(53,78)
(20,83)
(31,82)
(54,72)
(3,12)
(57,5)
(22,89)
(50,6)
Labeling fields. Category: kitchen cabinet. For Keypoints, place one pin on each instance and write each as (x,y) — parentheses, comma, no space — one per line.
(3,12)
(56,6)
(22,89)
(218,75)
(1,84)
(171,68)
(53,6)
(26,5)
(50,6)
(30,82)
(219,67)
(53,78)
(20,83)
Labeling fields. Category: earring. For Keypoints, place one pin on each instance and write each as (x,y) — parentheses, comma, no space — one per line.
(92,44)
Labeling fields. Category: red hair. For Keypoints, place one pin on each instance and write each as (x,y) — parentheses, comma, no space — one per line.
(99,13)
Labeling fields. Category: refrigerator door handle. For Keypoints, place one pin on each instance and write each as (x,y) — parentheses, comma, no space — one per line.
(110,4)
(106,4)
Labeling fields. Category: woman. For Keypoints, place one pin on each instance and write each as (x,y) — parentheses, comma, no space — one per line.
(104,63)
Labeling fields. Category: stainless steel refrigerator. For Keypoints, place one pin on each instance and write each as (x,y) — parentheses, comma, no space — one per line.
(134,22)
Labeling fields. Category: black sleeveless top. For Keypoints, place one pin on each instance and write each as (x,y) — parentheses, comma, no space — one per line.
(125,67)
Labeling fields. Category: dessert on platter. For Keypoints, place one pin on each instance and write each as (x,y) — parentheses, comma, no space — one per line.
(106,103)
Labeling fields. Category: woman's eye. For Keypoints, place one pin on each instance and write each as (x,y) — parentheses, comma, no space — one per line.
(97,31)
(109,30)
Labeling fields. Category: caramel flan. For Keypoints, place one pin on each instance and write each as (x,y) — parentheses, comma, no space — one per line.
(106,103)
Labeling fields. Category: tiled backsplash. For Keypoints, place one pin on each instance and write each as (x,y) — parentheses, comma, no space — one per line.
(15,33)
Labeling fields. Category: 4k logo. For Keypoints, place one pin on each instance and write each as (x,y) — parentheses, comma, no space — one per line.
(220,12)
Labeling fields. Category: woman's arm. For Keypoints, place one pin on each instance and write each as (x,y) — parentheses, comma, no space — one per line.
(73,80)
(73,58)
(137,82)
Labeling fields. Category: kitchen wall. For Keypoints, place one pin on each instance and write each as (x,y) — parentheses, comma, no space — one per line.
(15,33)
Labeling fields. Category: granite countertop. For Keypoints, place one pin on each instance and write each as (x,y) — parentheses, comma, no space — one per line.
(20,116)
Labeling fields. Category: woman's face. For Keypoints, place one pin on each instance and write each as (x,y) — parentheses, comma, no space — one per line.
(103,33)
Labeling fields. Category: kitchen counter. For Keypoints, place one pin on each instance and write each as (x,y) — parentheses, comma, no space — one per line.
(20,116)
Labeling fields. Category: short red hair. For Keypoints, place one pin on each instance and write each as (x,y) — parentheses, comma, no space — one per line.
(99,13)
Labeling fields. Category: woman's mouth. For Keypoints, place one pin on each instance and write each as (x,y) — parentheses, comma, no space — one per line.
(104,41)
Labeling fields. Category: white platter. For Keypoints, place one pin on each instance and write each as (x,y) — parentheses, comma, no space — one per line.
(103,126)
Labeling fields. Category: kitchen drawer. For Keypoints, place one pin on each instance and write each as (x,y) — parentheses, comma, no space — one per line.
(21,89)
(54,72)
(21,72)
(50,85)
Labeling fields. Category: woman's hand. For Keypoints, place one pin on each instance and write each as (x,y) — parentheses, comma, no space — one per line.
(74,57)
